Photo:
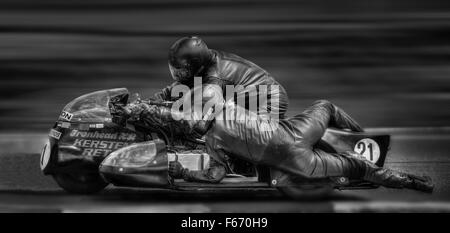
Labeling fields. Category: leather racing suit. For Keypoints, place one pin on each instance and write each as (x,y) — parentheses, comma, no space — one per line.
(288,145)
(229,69)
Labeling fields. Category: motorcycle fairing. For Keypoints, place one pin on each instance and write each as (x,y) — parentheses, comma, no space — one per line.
(85,133)
(90,147)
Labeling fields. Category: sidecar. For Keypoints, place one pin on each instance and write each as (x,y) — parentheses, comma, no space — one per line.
(88,148)
(146,165)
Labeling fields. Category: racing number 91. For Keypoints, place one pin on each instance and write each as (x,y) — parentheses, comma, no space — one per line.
(368,148)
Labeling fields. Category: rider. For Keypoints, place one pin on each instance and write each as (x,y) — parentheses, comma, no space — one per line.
(287,145)
(190,56)
(284,144)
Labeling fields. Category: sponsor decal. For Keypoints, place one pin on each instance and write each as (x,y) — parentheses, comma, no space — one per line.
(368,148)
(54,134)
(98,143)
(66,116)
(98,147)
(102,135)
(96,126)
(64,125)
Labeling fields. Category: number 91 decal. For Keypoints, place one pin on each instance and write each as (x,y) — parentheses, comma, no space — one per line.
(368,148)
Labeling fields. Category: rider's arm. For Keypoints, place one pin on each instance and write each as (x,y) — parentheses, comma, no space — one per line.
(214,174)
(166,93)
(212,100)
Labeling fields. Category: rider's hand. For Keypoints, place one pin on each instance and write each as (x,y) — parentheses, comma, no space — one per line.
(150,110)
(175,169)
(136,109)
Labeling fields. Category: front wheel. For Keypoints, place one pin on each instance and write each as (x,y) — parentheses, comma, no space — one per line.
(306,192)
(80,183)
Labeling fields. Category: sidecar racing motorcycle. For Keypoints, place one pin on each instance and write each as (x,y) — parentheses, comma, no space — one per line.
(88,148)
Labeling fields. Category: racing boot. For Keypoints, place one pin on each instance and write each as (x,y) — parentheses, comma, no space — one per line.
(359,167)
(395,179)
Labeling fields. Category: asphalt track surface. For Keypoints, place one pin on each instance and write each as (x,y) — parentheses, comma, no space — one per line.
(421,151)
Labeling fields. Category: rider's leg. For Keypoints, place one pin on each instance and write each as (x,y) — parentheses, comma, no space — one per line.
(337,117)
(312,123)
(389,177)
(314,163)
(308,128)
(318,164)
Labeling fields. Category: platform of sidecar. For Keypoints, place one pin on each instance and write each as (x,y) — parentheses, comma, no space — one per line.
(229,182)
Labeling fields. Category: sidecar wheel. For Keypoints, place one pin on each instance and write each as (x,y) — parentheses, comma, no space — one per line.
(306,192)
(80,183)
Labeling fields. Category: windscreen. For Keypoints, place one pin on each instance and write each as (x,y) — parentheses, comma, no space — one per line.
(92,107)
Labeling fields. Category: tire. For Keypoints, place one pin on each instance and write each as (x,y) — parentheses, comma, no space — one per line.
(80,183)
(306,192)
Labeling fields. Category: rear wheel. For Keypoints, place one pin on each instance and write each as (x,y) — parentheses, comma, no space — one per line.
(80,183)
(306,192)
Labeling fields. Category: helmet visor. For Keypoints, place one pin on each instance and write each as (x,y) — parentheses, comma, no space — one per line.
(181,74)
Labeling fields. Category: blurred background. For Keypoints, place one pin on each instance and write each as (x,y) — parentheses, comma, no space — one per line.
(387,62)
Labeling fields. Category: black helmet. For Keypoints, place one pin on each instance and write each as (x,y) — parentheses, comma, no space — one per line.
(188,57)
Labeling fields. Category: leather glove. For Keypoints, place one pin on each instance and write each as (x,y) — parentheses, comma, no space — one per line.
(176,170)
(150,110)
(135,110)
